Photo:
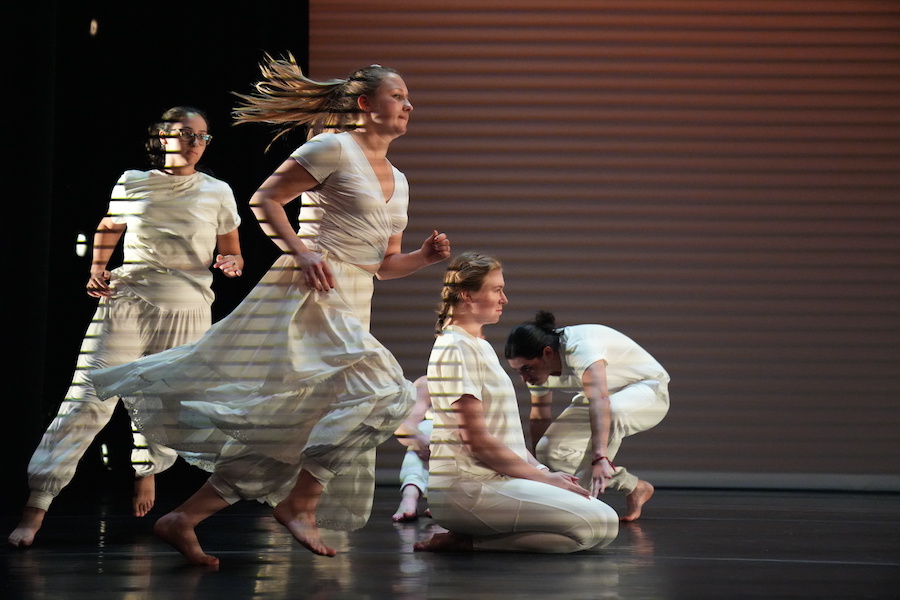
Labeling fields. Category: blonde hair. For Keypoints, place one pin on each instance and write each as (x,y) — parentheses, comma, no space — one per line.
(465,273)
(287,98)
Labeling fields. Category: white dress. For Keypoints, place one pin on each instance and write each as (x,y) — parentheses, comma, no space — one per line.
(292,378)
(468,497)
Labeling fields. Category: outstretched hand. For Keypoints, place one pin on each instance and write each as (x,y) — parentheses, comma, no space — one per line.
(436,248)
(232,265)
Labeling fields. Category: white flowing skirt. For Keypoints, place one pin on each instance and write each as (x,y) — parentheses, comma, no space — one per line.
(291,379)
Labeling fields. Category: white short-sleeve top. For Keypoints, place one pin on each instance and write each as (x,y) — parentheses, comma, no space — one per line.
(580,346)
(463,364)
(170,239)
(347,213)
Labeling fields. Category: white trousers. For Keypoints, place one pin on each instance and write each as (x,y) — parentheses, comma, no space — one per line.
(413,471)
(520,515)
(566,445)
(123,329)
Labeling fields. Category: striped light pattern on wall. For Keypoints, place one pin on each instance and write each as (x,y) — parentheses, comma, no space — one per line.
(719,180)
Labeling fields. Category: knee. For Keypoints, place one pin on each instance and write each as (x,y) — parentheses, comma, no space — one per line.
(559,456)
(602,527)
(619,425)
(86,407)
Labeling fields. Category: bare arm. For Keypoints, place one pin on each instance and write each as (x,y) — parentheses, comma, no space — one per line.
(229,259)
(491,451)
(409,433)
(284,185)
(106,238)
(595,388)
(397,264)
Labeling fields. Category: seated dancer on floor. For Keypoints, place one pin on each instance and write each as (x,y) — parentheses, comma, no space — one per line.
(286,399)
(620,390)
(485,487)
(171,219)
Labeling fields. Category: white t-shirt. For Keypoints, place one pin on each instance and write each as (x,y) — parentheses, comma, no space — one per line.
(580,346)
(172,223)
(347,214)
(463,364)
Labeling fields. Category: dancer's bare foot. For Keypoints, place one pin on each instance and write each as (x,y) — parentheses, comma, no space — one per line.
(23,535)
(445,542)
(407,512)
(409,505)
(144,495)
(304,529)
(175,529)
(636,500)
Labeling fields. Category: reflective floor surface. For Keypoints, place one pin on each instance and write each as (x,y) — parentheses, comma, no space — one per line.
(689,544)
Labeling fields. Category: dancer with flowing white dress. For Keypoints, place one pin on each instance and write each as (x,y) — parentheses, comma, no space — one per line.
(286,399)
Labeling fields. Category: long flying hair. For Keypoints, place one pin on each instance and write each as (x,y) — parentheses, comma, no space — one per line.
(287,98)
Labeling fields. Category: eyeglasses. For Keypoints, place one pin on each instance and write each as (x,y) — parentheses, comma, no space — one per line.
(185,135)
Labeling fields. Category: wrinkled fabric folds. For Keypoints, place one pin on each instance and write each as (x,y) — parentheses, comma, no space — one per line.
(291,379)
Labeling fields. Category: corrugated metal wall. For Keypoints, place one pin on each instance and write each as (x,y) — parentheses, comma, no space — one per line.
(718,180)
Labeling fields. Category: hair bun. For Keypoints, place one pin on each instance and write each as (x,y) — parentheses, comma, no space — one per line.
(545,320)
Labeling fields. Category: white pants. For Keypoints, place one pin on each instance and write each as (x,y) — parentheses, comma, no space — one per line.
(520,515)
(566,445)
(123,329)
(413,471)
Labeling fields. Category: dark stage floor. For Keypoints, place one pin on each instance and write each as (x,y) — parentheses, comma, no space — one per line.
(689,544)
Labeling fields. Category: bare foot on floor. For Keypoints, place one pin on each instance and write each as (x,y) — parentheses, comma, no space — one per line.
(304,529)
(445,542)
(144,495)
(407,511)
(23,535)
(636,500)
(174,529)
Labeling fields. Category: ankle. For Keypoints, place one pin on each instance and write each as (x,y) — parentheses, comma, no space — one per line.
(33,515)
(411,491)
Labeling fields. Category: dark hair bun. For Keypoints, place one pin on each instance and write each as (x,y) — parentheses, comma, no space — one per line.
(545,320)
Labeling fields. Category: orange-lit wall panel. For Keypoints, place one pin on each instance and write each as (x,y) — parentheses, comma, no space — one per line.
(719,180)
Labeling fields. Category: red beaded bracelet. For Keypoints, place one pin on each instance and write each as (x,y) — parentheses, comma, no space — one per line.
(596,460)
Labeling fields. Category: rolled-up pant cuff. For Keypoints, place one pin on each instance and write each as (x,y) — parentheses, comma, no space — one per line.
(40,499)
